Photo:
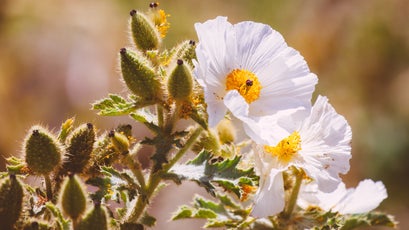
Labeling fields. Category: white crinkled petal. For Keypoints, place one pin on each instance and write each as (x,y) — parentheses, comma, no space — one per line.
(286,82)
(325,147)
(364,198)
(269,199)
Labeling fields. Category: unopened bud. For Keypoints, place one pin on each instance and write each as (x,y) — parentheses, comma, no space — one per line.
(95,219)
(144,33)
(207,141)
(80,145)
(43,152)
(180,82)
(11,200)
(226,132)
(186,51)
(119,141)
(139,76)
(73,199)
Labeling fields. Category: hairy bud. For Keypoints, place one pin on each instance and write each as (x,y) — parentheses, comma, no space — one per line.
(73,199)
(226,132)
(139,76)
(95,219)
(186,51)
(180,82)
(11,199)
(80,145)
(119,141)
(144,33)
(43,152)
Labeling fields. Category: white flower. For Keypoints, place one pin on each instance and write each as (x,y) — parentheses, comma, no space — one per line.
(319,144)
(248,65)
(364,198)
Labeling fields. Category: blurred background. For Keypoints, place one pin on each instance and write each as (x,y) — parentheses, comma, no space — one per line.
(57,57)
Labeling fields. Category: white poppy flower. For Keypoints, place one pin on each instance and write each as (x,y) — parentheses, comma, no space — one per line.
(319,144)
(249,63)
(364,198)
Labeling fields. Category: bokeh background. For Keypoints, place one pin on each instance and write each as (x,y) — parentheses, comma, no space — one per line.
(57,57)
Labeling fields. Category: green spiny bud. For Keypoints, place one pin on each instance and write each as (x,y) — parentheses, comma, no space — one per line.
(144,33)
(186,51)
(80,145)
(180,82)
(11,199)
(119,141)
(95,219)
(207,141)
(73,199)
(139,76)
(43,152)
(226,132)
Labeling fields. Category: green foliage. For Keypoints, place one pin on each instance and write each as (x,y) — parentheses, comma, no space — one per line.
(114,105)
(207,174)
(223,213)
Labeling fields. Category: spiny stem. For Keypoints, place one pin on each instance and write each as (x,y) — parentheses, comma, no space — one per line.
(155,179)
(48,187)
(294,194)
(136,169)
(159,109)
(183,150)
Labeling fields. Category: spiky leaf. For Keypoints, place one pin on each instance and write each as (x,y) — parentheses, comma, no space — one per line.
(225,174)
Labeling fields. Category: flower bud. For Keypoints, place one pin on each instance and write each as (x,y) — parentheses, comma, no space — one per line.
(95,219)
(144,33)
(207,141)
(186,52)
(11,200)
(73,199)
(226,132)
(43,152)
(180,82)
(80,145)
(119,141)
(139,76)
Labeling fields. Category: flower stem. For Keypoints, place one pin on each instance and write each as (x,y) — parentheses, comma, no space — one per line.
(48,187)
(294,194)
(136,169)
(155,179)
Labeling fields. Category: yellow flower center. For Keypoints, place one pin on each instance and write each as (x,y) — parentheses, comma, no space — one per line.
(161,22)
(245,82)
(287,148)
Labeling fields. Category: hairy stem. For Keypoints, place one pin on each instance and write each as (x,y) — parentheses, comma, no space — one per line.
(136,169)
(48,187)
(155,179)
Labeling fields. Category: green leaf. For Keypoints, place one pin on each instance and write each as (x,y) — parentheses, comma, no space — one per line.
(217,214)
(114,105)
(225,174)
(367,219)
(64,224)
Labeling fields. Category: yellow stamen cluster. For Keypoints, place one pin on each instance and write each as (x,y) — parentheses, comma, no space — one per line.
(287,148)
(161,22)
(245,82)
